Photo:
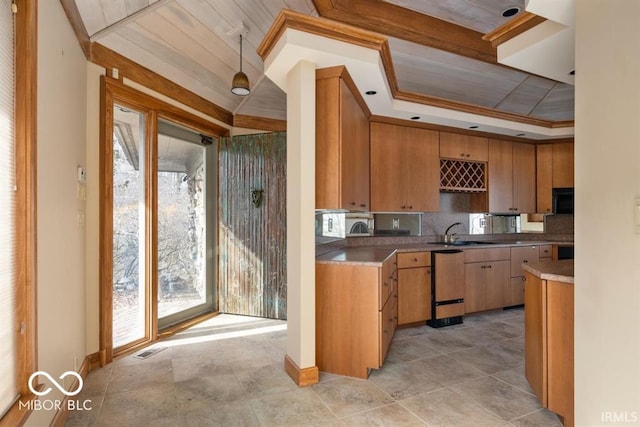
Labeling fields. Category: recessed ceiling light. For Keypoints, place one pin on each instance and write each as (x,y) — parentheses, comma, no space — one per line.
(370,92)
(572,72)
(415,118)
(507,13)
(473,127)
(521,134)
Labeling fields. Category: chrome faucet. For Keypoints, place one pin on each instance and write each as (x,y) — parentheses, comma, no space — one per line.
(448,238)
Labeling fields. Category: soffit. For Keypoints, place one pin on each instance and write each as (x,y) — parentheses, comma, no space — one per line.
(186,42)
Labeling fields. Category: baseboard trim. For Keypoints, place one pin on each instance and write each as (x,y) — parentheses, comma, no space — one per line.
(90,362)
(302,377)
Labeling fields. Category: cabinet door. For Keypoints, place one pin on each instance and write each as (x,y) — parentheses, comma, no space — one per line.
(524,178)
(422,170)
(520,255)
(498,288)
(387,170)
(544,164)
(388,321)
(517,290)
(563,165)
(414,295)
(354,138)
(475,284)
(535,343)
(463,147)
(328,188)
(500,176)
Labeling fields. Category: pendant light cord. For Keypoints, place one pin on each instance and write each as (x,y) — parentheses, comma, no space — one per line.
(240,52)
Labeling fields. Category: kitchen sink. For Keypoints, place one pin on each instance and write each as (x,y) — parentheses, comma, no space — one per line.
(465,243)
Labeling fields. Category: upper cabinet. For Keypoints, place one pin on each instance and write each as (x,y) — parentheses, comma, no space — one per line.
(405,170)
(463,147)
(342,143)
(554,170)
(512,185)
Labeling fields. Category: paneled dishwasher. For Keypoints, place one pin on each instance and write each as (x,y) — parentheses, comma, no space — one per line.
(447,287)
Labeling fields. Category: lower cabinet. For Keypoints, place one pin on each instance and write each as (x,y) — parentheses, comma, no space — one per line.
(549,323)
(356,316)
(486,279)
(520,255)
(414,287)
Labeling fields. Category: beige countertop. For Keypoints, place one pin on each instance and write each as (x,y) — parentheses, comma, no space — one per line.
(365,255)
(375,255)
(558,271)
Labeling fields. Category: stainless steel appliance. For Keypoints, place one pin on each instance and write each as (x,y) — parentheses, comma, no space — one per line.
(447,287)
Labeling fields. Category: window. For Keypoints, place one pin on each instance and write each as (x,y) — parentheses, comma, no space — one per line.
(8,320)
(18,53)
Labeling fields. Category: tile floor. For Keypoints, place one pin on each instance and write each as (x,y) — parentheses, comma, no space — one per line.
(228,372)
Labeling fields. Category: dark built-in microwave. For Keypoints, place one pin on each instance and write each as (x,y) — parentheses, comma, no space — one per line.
(563,200)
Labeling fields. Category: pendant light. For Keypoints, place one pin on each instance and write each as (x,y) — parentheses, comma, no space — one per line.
(240,83)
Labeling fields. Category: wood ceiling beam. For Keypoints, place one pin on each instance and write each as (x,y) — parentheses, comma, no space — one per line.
(513,28)
(399,22)
(108,59)
(75,19)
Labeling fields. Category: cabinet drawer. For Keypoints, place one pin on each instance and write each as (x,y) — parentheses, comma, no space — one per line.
(414,259)
(546,251)
(388,321)
(449,310)
(484,255)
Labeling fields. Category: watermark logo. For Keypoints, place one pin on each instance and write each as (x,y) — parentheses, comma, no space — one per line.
(59,386)
(56,404)
(619,417)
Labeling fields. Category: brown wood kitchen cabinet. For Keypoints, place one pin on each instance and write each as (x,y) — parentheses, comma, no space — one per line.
(342,142)
(486,279)
(405,169)
(356,316)
(464,147)
(549,338)
(520,255)
(414,287)
(555,168)
(511,183)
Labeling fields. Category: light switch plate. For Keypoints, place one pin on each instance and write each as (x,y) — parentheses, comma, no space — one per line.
(82,175)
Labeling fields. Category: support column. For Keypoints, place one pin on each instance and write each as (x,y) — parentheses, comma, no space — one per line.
(300,361)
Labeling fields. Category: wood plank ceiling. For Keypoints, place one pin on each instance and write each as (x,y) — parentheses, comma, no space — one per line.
(186,42)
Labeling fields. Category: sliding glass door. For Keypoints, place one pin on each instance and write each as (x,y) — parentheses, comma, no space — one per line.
(130,294)
(158,221)
(185,223)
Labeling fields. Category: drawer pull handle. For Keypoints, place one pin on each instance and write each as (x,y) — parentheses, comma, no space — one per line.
(415,260)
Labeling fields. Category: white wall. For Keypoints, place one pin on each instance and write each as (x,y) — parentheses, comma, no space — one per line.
(607,265)
(61,239)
